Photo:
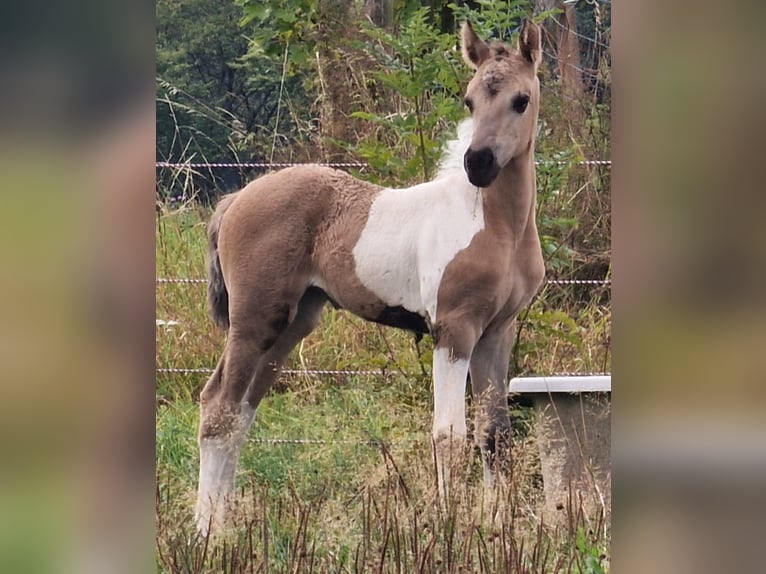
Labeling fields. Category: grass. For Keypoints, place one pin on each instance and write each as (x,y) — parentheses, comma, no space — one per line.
(361,497)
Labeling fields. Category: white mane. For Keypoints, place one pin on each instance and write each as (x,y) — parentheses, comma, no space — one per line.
(454,150)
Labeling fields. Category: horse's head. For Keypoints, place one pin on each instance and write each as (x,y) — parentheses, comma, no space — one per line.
(503,98)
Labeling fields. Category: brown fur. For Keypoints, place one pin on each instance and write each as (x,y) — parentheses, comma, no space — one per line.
(329,208)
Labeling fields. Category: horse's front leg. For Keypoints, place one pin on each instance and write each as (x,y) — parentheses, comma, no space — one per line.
(450,373)
(489,386)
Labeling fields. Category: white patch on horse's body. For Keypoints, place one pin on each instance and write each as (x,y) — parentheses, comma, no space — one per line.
(412,234)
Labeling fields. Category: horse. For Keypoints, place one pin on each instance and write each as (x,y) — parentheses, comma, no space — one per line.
(457,257)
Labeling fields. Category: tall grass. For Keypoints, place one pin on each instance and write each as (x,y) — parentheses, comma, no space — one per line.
(378,512)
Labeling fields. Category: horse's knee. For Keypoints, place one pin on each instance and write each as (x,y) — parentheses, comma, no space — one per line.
(225,420)
(221,409)
(217,419)
(445,437)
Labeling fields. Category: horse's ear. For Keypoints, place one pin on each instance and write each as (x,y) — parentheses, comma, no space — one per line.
(475,50)
(529,43)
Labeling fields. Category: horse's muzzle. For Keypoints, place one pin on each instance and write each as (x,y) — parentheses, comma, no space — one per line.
(481,166)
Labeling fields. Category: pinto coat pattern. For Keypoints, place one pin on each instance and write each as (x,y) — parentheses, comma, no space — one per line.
(457,257)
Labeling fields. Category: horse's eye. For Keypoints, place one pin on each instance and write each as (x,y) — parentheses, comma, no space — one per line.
(520,103)
(469,104)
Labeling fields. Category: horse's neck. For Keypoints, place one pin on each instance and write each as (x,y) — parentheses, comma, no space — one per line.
(513,193)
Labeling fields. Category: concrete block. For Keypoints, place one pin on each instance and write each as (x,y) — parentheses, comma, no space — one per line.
(574,440)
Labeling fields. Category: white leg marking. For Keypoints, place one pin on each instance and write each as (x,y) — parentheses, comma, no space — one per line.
(218,464)
(450,378)
(449,408)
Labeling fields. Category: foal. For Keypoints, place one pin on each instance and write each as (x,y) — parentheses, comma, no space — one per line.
(457,257)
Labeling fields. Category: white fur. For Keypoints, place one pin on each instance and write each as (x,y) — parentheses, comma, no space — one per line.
(218,464)
(412,234)
(452,160)
(450,378)
(449,428)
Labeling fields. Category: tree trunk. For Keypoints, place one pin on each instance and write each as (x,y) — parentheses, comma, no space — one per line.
(378,11)
(561,42)
(569,60)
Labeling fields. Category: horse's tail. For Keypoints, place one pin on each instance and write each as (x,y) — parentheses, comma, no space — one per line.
(217,294)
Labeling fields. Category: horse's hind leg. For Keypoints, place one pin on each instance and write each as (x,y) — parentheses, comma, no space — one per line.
(225,416)
(224,422)
(249,366)
(306,319)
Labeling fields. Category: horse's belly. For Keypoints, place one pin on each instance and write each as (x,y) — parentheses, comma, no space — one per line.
(369,307)
(401,318)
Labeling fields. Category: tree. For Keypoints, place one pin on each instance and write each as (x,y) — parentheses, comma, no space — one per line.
(216,99)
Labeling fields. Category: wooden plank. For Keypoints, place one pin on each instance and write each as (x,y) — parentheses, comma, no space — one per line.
(568,384)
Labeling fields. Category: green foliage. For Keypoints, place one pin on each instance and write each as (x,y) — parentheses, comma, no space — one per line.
(590,552)
(281,23)
(196,44)
(547,325)
(420,68)
(554,223)
(215,101)
(176,437)
(492,19)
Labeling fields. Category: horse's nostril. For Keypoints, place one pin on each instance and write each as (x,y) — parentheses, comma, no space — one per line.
(486,158)
(481,159)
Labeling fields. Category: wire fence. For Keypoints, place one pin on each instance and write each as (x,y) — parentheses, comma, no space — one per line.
(376,443)
(592,282)
(382,372)
(339,165)
(371,442)
(254,164)
(360,372)
(343,375)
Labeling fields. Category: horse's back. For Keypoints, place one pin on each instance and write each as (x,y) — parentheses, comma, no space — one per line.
(300,196)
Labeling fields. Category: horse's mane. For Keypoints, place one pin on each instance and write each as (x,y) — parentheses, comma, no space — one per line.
(451,161)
